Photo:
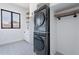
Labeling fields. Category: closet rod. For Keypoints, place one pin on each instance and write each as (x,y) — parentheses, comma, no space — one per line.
(63,14)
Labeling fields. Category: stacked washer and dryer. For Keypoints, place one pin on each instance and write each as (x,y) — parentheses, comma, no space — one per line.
(42,30)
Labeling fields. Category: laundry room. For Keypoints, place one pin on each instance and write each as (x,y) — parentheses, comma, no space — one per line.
(40,29)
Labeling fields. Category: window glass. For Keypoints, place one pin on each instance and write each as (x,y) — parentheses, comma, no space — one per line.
(6,19)
(15,20)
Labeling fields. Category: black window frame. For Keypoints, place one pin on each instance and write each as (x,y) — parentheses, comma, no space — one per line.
(11,20)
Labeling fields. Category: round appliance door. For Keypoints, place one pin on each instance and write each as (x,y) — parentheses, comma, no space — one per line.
(39,19)
(38,43)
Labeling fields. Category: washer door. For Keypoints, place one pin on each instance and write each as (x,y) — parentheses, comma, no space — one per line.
(38,43)
(39,19)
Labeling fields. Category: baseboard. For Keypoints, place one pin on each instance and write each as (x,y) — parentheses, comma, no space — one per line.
(52,52)
(34,53)
(58,53)
(7,43)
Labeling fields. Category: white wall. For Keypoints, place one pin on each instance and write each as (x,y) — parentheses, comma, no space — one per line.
(33,7)
(68,35)
(29,35)
(11,35)
(52,31)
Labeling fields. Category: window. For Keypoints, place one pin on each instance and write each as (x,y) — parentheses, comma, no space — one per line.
(10,19)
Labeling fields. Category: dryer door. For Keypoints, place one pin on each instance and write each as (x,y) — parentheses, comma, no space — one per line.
(39,19)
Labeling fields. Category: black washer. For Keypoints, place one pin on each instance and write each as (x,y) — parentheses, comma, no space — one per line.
(39,43)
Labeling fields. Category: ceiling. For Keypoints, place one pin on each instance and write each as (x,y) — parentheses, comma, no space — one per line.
(23,5)
(53,4)
(64,6)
